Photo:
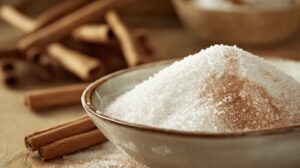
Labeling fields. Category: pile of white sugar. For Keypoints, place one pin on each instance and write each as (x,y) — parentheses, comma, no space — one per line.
(219,89)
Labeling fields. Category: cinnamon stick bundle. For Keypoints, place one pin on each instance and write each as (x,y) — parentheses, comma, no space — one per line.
(133,51)
(54,97)
(94,33)
(38,139)
(61,28)
(71,144)
(65,138)
(83,66)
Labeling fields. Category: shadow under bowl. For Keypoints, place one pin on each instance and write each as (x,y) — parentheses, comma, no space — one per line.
(156,147)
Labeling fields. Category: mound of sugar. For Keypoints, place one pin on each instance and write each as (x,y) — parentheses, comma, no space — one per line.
(219,89)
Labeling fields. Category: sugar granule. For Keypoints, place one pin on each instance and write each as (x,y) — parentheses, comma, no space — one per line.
(219,89)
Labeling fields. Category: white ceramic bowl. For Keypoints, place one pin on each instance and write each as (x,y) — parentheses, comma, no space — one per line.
(163,148)
(246,26)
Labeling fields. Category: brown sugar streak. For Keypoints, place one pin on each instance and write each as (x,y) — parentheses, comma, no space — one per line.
(242,104)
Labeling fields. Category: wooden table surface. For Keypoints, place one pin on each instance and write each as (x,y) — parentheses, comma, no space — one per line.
(16,120)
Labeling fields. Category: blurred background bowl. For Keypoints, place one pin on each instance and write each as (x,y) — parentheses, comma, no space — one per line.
(240,25)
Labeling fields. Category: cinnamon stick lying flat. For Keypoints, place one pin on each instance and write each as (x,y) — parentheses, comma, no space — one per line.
(62,27)
(71,144)
(65,138)
(38,139)
(7,64)
(93,33)
(85,67)
(54,97)
(15,18)
(59,10)
(132,50)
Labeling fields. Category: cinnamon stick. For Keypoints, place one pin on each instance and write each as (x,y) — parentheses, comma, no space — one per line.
(93,33)
(15,18)
(54,97)
(10,52)
(61,28)
(71,144)
(59,10)
(132,50)
(85,67)
(38,139)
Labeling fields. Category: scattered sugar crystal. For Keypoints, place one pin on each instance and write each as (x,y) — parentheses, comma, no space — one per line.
(101,156)
(219,89)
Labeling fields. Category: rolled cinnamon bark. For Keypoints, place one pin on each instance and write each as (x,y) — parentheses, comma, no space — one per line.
(10,52)
(94,33)
(38,139)
(15,18)
(85,67)
(54,97)
(71,144)
(133,51)
(59,10)
(62,27)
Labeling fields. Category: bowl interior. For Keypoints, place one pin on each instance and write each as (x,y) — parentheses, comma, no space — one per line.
(107,89)
(124,81)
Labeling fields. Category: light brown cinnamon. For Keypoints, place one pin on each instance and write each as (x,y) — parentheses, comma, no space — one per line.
(85,67)
(54,97)
(15,18)
(38,139)
(65,138)
(94,33)
(133,51)
(71,144)
(62,27)
(57,11)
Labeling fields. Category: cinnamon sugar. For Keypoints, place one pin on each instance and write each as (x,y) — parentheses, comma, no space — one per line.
(243,104)
(219,89)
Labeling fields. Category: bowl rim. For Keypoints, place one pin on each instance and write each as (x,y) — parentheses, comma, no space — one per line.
(242,10)
(86,100)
